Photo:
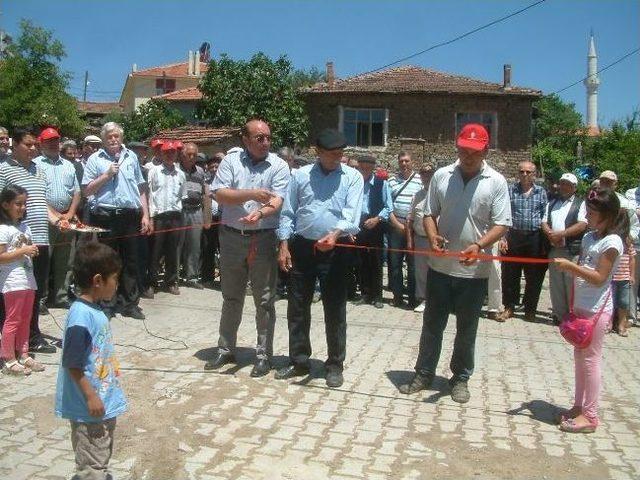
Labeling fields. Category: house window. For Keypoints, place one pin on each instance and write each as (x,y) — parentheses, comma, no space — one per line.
(165,85)
(364,127)
(487,119)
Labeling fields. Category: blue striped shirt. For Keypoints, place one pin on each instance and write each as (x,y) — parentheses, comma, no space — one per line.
(33,180)
(527,211)
(318,203)
(62,181)
(402,201)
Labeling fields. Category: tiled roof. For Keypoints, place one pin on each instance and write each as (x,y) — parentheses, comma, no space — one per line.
(171,70)
(191,93)
(195,134)
(410,79)
(99,107)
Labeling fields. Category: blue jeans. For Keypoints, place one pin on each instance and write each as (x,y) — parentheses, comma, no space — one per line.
(398,241)
(463,297)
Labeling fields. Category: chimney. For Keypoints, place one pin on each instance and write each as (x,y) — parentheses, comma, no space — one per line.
(506,82)
(190,63)
(134,67)
(196,62)
(330,75)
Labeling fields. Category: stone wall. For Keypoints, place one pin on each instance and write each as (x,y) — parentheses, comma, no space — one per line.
(424,124)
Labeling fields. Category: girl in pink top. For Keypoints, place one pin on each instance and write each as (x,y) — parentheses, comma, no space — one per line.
(600,252)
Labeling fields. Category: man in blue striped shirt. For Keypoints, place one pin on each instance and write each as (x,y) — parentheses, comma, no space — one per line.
(63,198)
(322,207)
(404,185)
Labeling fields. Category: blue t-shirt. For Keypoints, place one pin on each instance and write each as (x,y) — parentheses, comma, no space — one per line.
(87,344)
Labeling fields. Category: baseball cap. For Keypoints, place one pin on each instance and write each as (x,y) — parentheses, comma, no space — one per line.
(156,142)
(609,175)
(179,145)
(473,136)
(569,177)
(92,139)
(48,134)
(168,145)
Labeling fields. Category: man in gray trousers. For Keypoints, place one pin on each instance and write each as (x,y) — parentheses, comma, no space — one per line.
(250,186)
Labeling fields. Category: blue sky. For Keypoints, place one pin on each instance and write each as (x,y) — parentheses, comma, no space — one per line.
(545,45)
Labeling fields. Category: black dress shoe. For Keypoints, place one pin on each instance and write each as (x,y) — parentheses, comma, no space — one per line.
(261,368)
(418,382)
(291,371)
(334,379)
(40,345)
(220,360)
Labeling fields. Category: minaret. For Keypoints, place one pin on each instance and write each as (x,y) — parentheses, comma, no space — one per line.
(592,82)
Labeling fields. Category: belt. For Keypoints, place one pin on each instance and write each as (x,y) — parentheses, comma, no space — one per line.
(248,233)
(115,211)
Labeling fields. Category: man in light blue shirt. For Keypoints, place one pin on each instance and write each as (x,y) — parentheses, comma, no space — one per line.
(63,198)
(116,191)
(249,185)
(322,208)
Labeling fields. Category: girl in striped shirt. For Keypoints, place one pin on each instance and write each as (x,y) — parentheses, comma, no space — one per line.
(623,280)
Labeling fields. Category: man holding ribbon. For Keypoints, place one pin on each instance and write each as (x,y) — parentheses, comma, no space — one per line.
(467,211)
(323,207)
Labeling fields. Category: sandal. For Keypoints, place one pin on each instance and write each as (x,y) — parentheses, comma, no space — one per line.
(569,414)
(570,426)
(14,367)
(31,364)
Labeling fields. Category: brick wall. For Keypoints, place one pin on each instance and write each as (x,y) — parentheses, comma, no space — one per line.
(424,124)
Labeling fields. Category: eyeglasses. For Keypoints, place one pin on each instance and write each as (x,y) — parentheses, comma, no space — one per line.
(527,172)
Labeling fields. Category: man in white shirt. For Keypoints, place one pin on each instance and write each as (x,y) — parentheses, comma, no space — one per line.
(564,224)
(633,197)
(467,210)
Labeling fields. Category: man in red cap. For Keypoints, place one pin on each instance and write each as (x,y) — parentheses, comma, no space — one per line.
(63,198)
(467,210)
(167,186)
(156,146)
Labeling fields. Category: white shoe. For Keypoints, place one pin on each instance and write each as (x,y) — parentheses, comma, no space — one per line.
(420,308)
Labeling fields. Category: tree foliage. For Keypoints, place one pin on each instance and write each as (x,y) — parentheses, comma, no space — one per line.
(305,78)
(147,120)
(32,84)
(237,90)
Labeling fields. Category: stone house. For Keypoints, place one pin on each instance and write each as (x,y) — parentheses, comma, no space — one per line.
(208,139)
(421,111)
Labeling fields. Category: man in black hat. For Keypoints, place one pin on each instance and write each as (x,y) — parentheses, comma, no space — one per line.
(322,208)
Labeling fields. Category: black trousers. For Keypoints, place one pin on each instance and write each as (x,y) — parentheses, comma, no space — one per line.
(523,244)
(123,235)
(330,268)
(210,245)
(166,245)
(370,262)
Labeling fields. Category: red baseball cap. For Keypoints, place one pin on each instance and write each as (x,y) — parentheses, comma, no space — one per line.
(473,136)
(156,142)
(179,145)
(48,134)
(168,145)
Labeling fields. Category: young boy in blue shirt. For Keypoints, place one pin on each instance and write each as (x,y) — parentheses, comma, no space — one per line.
(88,391)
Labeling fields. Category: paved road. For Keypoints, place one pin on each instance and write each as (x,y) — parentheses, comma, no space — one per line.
(184,423)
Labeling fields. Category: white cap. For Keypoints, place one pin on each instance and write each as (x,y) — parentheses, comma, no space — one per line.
(609,175)
(92,139)
(569,177)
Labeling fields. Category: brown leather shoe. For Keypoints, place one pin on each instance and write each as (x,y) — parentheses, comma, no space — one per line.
(492,316)
(529,316)
(505,315)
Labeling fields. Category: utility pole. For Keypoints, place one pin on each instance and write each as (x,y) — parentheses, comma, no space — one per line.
(86,82)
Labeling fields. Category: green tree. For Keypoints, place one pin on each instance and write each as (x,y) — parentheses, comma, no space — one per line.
(305,78)
(33,86)
(149,119)
(236,90)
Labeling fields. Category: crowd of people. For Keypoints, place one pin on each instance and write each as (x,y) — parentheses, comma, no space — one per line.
(275,227)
